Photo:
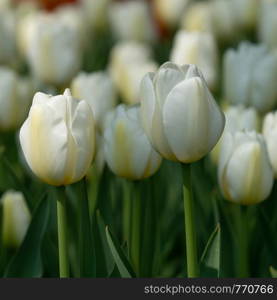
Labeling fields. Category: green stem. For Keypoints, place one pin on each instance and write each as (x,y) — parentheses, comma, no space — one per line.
(135,249)
(62,233)
(243,270)
(127,211)
(192,264)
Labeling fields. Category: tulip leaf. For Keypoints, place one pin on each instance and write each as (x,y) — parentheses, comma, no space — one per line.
(273,272)
(87,253)
(123,265)
(211,255)
(27,261)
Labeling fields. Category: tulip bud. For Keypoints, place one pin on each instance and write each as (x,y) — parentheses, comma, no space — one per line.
(225,19)
(129,62)
(238,118)
(197,48)
(7,36)
(131,20)
(99,92)
(127,149)
(198,17)
(247,12)
(270,135)
(57,138)
(250,77)
(179,114)
(16,218)
(268,21)
(15,99)
(53,47)
(169,12)
(96,13)
(245,175)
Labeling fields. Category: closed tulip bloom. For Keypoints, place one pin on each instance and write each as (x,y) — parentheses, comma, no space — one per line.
(54,48)
(270,135)
(7,36)
(131,20)
(99,92)
(128,152)
(169,12)
(245,174)
(225,20)
(15,99)
(129,62)
(250,77)
(96,13)
(197,48)
(198,17)
(16,218)
(238,118)
(179,114)
(268,22)
(58,138)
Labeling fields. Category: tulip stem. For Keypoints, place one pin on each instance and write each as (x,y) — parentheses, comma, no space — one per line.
(191,248)
(62,233)
(127,211)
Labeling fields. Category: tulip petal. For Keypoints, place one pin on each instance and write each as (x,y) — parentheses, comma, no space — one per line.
(193,123)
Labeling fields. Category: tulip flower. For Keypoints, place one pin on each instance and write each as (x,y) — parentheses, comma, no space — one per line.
(99,92)
(250,77)
(169,12)
(225,20)
(245,174)
(57,138)
(268,21)
(132,21)
(247,12)
(16,218)
(15,99)
(238,118)
(129,62)
(270,135)
(198,17)
(7,36)
(179,114)
(96,13)
(53,48)
(127,150)
(197,48)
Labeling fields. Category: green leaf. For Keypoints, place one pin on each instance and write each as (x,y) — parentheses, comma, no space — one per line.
(120,259)
(211,254)
(87,253)
(27,261)
(273,272)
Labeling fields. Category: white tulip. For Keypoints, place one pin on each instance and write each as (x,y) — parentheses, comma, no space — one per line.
(58,138)
(268,23)
(225,19)
(198,17)
(169,12)
(96,13)
(197,48)
(99,92)
(244,173)
(132,21)
(270,135)
(179,114)
(237,118)
(127,150)
(7,36)
(54,48)
(15,99)
(129,62)
(16,218)
(247,12)
(250,77)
